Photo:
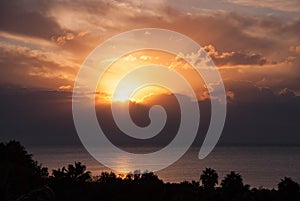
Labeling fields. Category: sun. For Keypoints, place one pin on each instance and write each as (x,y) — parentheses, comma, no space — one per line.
(122,98)
(122,95)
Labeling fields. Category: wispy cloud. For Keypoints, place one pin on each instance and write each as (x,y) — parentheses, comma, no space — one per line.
(50,69)
(288,5)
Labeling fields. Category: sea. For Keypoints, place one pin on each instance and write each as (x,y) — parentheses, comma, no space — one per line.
(259,166)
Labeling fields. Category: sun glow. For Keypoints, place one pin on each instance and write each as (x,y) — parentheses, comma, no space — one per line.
(120,97)
(108,85)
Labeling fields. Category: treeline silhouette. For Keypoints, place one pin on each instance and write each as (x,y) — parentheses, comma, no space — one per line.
(23,179)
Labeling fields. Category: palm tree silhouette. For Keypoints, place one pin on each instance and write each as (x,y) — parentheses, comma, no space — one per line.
(75,173)
(232,182)
(209,179)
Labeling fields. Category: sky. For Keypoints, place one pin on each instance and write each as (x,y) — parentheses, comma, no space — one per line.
(254,44)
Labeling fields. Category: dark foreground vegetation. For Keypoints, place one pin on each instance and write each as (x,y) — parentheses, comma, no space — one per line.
(22,179)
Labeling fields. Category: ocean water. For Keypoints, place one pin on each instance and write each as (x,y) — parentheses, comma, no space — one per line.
(260,166)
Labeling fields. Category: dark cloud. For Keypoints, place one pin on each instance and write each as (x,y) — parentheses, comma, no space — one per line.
(223,31)
(27,18)
(261,116)
(287,93)
(234,58)
(255,116)
(36,116)
(266,113)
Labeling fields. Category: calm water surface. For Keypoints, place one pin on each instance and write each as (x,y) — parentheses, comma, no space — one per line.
(258,165)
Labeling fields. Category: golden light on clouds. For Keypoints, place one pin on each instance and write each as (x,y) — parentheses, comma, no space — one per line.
(129,62)
(254,45)
(248,41)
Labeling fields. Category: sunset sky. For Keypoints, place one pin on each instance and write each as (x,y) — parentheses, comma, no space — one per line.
(254,44)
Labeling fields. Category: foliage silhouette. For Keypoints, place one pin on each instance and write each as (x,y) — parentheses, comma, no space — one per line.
(209,179)
(76,173)
(22,179)
(18,172)
(107,178)
(232,182)
(233,187)
(44,193)
(289,189)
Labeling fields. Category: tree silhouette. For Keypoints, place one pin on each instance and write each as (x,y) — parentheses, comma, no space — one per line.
(233,187)
(59,174)
(289,189)
(22,179)
(107,178)
(18,172)
(209,179)
(129,177)
(232,182)
(44,193)
(150,178)
(75,173)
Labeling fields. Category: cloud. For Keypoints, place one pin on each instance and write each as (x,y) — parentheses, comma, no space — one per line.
(275,117)
(65,87)
(62,39)
(295,49)
(68,36)
(145,57)
(267,97)
(38,54)
(239,40)
(288,5)
(130,58)
(287,93)
(36,116)
(234,58)
(83,33)
(230,95)
(27,18)
(35,67)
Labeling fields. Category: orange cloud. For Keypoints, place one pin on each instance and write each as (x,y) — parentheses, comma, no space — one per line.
(62,39)
(242,42)
(83,33)
(65,87)
(295,49)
